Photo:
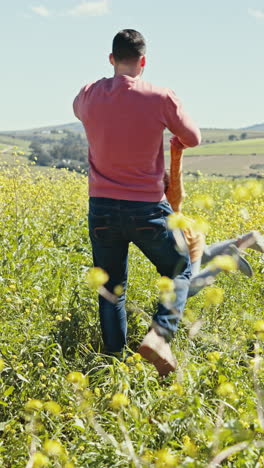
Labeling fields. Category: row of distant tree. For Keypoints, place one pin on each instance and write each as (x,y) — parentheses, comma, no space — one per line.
(69,152)
(243,136)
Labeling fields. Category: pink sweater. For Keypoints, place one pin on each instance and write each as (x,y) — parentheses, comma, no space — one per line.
(124,119)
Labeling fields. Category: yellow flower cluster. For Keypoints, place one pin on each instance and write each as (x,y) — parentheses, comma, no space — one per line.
(54,448)
(118,290)
(203,202)
(39,460)
(34,405)
(165,284)
(225,262)
(200,225)
(178,221)
(77,379)
(51,407)
(96,277)
(189,447)
(177,388)
(119,400)
(214,296)
(226,389)
(165,459)
(248,191)
(213,356)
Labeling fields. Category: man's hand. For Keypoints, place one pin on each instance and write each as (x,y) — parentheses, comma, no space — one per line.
(176,143)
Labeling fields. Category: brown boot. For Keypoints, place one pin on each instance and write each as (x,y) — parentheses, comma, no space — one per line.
(156,350)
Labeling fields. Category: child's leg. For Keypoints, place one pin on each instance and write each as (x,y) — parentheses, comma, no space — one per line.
(200,280)
(251,240)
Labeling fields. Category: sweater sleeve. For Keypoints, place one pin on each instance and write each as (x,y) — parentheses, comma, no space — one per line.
(180,123)
(79,103)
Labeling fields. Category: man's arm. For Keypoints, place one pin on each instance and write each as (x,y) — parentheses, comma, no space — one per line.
(185,131)
(78,103)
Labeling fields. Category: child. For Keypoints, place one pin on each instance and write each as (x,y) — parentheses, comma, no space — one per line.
(199,252)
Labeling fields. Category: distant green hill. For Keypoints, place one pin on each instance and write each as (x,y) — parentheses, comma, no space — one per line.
(248,146)
(258,127)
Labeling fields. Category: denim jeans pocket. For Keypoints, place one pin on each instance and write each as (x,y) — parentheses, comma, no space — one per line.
(100,227)
(149,227)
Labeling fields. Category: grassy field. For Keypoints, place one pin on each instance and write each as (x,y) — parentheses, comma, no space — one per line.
(230,165)
(6,141)
(220,134)
(65,404)
(234,158)
(249,146)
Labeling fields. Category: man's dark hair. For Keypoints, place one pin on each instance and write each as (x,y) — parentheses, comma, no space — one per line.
(128,45)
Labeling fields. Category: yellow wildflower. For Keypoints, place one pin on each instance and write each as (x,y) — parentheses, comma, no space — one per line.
(88,394)
(33,405)
(54,448)
(189,447)
(130,360)
(147,456)
(97,391)
(139,366)
(96,277)
(165,284)
(134,412)
(225,389)
(52,407)
(164,458)
(39,460)
(119,400)
(213,356)
(137,357)
(241,193)
(77,379)
(225,262)
(203,202)
(200,225)
(255,188)
(214,296)
(118,290)
(178,221)
(177,388)
(123,367)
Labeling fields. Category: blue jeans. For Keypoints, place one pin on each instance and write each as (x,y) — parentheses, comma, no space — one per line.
(112,225)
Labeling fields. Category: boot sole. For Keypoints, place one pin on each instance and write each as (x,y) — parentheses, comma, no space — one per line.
(163,366)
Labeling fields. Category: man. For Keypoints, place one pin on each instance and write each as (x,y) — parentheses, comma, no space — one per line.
(124,118)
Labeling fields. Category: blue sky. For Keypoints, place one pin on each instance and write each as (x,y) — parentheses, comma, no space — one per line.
(209,52)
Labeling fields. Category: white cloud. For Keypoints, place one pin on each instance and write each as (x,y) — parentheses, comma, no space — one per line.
(41,11)
(93,8)
(256,13)
(85,8)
